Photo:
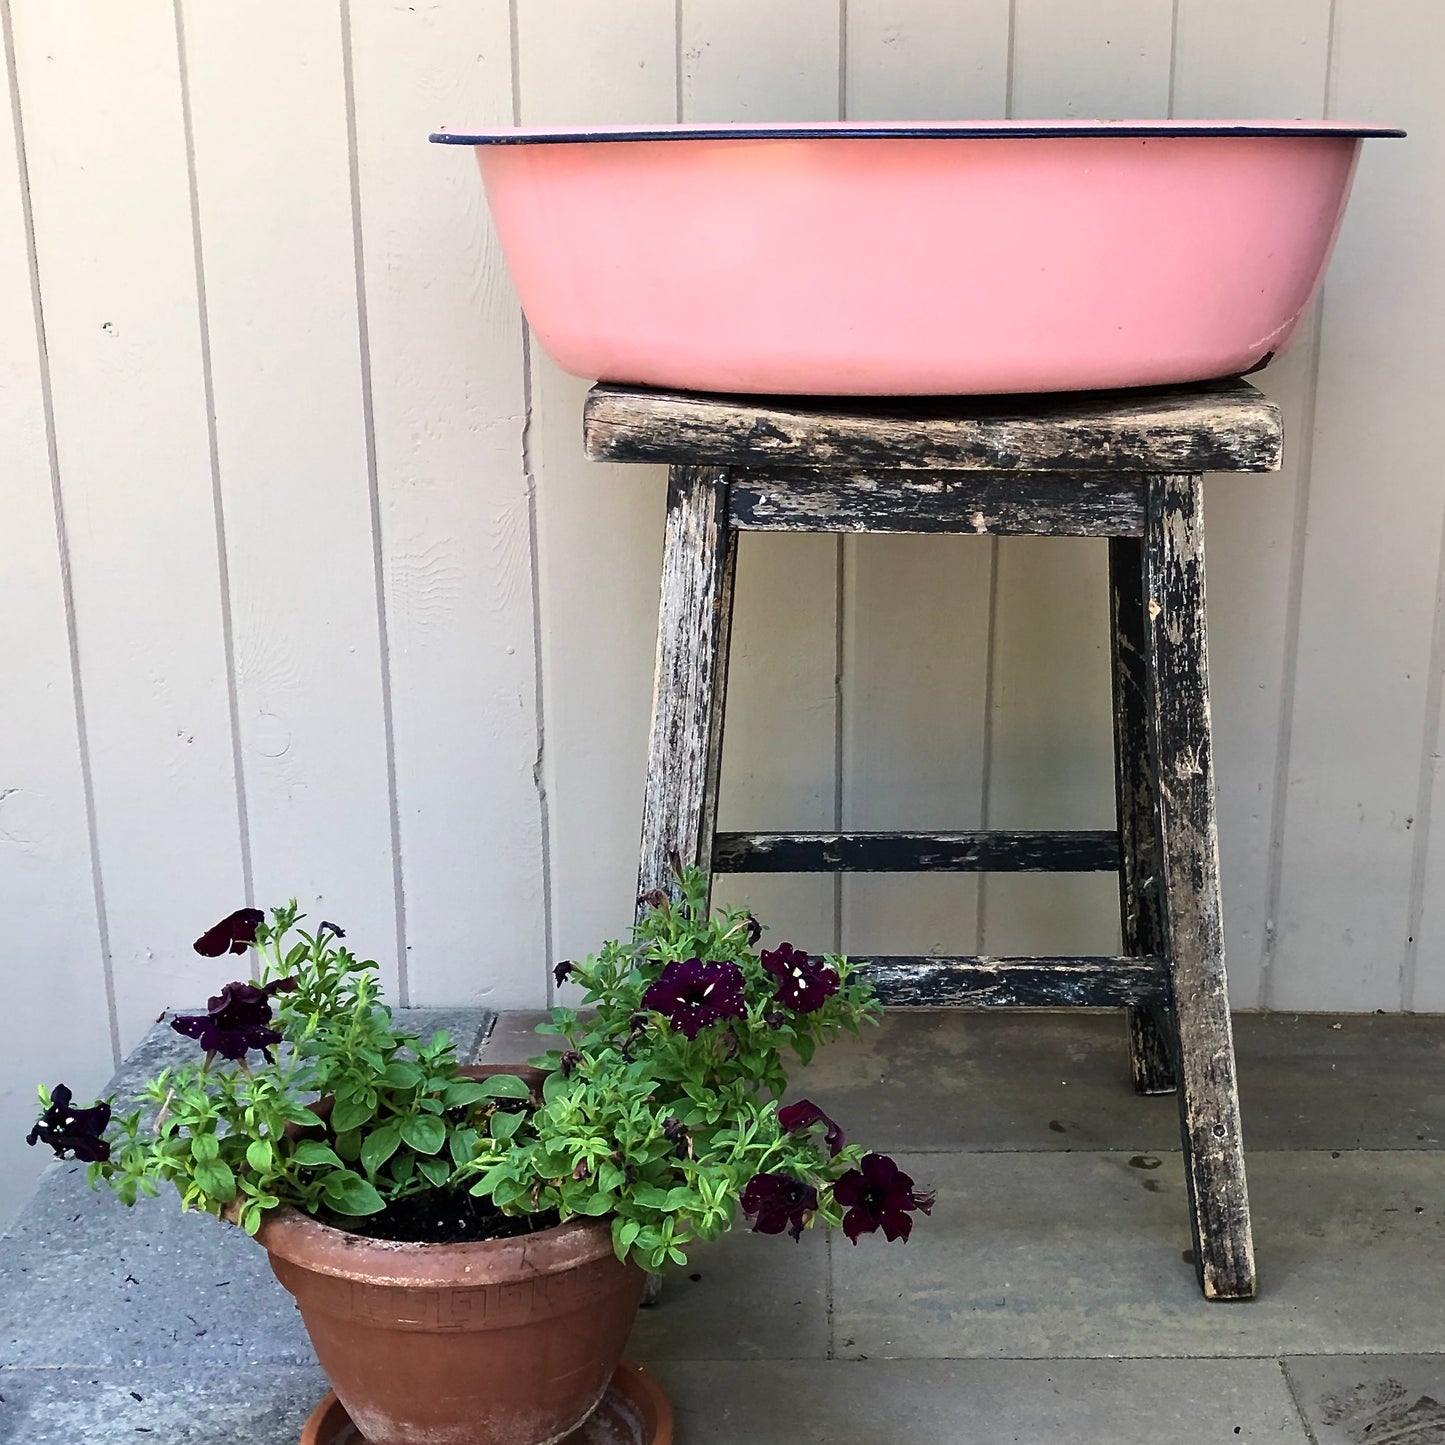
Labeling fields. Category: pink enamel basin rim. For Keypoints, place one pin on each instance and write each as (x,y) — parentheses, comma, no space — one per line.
(917,259)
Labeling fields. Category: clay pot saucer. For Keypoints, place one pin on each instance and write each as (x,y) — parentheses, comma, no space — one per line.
(634,1411)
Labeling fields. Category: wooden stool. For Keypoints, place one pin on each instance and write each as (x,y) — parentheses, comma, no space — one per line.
(1125,466)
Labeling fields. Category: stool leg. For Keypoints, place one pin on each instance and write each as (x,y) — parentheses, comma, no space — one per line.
(1150,1028)
(699,558)
(689,690)
(1176,656)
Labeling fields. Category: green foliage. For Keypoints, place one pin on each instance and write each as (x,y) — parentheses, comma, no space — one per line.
(658,1131)
(635,1121)
(237,1140)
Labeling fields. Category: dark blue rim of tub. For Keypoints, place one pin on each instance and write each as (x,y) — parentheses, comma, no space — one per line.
(936,130)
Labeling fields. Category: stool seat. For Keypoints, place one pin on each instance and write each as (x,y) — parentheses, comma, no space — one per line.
(1126,466)
(1215,426)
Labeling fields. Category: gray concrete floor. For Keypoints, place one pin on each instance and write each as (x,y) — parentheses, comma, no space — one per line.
(1049,1299)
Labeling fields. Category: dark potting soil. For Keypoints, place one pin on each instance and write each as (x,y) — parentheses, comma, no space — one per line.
(444,1216)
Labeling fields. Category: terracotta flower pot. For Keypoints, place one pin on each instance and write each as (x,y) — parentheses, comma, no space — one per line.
(502,1342)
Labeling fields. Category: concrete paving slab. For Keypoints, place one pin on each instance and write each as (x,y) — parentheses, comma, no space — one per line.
(86,1282)
(949,1079)
(1351,1081)
(513,1039)
(1372,1399)
(1044,1255)
(755,1297)
(1050,1081)
(170,1407)
(467,1026)
(163,1047)
(945,1402)
(1032,1253)
(955,1079)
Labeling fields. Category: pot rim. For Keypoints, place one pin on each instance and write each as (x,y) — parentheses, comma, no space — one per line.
(323,1248)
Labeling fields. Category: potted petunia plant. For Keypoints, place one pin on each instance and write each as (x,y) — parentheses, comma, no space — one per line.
(467,1245)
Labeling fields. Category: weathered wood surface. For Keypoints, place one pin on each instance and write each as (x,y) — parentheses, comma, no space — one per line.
(1214,426)
(970,852)
(926,982)
(1149,1029)
(699,559)
(1075,504)
(1178,706)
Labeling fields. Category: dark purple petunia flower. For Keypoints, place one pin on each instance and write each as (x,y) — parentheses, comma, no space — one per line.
(233,934)
(794,1118)
(236,1020)
(677,1136)
(330,928)
(755,929)
(72,1133)
(694,995)
(775,1202)
(562,972)
(803,983)
(878,1193)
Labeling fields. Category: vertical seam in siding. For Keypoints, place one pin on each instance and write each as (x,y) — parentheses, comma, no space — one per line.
(677,56)
(62,537)
(985,782)
(839,571)
(529,478)
(839,654)
(213,457)
(378,560)
(986,770)
(1424,810)
(1173,52)
(539,774)
(1008,79)
(1409,965)
(1279,812)
(1331,59)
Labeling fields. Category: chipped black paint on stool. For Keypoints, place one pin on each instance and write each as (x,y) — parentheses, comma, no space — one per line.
(1126,466)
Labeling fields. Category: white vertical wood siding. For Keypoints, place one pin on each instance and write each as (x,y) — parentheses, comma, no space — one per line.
(305,586)
(918,611)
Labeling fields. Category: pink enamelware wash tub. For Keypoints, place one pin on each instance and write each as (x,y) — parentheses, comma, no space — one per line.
(917,259)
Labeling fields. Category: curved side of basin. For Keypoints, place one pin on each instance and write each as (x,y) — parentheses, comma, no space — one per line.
(918,264)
